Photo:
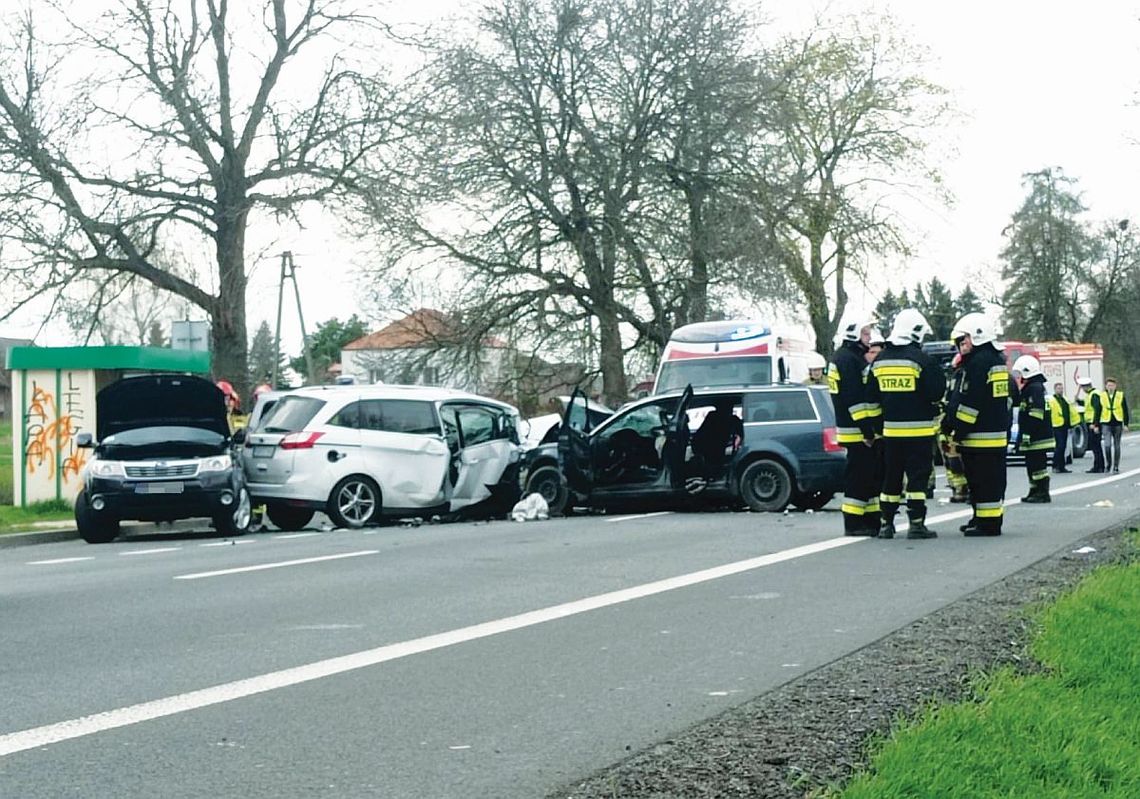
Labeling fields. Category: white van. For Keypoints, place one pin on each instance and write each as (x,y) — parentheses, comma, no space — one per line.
(737,352)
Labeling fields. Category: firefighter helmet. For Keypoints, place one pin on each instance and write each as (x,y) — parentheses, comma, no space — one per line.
(910,327)
(877,338)
(816,361)
(977,327)
(852,326)
(1026,367)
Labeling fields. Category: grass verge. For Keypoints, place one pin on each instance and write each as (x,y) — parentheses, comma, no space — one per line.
(1072,730)
(5,463)
(17,519)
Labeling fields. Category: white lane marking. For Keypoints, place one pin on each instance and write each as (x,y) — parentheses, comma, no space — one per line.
(278,565)
(293,535)
(59,560)
(149,551)
(228,543)
(638,516)
(227,692)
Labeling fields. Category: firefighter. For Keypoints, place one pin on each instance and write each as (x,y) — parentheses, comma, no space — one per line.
(234,416)
(948,445)
(817,365)
(904,388)
(1035,432)
(1064,416)
(1115,420)
(977,418)
(846,385)
(1096,402)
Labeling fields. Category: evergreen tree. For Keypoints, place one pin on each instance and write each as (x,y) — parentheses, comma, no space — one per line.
(968,302)
(937,305)
(261,355)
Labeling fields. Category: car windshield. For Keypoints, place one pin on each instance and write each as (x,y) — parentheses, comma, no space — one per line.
(291,414)
(165,441)
(744,370)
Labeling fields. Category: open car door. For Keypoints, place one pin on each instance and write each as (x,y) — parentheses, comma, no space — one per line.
(574,444)
(676,447)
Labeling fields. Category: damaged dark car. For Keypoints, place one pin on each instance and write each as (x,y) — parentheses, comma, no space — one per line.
(162,452)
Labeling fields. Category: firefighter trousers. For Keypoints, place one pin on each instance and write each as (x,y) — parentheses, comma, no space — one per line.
(912,459)
(985,471)
(861,489)
(1037,466)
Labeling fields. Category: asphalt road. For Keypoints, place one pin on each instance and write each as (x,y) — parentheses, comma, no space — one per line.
(460,660)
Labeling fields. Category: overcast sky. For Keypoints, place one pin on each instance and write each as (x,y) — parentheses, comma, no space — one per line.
(1037,84)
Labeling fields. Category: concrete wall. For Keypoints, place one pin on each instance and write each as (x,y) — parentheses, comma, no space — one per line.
(50,408)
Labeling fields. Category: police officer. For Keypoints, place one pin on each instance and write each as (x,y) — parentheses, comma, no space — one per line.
(845,382)
(1035,431)
(1095,410)
(904,388)
(977,418)
(1063,415)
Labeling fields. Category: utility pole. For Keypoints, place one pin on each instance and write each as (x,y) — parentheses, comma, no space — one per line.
(289,272)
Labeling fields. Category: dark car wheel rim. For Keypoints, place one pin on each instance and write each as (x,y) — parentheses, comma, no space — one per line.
(356,502)
(547,487)
(765,484)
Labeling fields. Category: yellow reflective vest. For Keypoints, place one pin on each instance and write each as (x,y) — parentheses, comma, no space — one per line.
(1057,411)
(1113,407)
(1091,414)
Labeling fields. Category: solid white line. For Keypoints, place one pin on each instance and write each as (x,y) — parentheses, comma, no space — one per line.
(59,560)
(294,535)
(168,706)
(150,551)
(278,565)
(637,516)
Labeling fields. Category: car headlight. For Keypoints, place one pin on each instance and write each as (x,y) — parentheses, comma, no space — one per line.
(107,469)
(220,463)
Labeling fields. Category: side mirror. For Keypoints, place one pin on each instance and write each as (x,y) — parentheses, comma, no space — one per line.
(85,440)
(239,436)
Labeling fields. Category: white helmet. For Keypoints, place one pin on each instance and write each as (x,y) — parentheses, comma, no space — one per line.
(877,338)
(1027,366)
(910,327)
(977,327)
(851,328)
(816,361)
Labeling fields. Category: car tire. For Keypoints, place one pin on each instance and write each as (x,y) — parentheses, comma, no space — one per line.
(766,485)
(1080,436)
(354,502)
(94,528)
(547,482)
(812,500)
(238,522)
(288,518)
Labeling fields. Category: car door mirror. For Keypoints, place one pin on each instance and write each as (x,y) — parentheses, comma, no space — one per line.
(85,440)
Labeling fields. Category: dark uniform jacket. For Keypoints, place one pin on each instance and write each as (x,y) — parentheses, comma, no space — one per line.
(848,391)
(905,387)
(1035,430)
(978,414)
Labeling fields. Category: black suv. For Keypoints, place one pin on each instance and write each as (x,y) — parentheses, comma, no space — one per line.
(163,453)
(783,451)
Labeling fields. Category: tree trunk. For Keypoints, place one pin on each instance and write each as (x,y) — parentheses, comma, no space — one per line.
(816,295)
(227,317)
(698,289)
(612,358)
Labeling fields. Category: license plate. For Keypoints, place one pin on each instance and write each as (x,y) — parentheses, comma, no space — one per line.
(263,452)
(158,488)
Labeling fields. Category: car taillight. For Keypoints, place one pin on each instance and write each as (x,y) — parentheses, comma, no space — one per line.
(831,440)
(300,440)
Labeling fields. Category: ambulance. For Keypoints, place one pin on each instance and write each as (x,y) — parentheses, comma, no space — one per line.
(737,352)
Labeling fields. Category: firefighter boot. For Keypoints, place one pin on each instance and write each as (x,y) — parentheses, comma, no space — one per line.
(960,494)
(1038,492)
(918,529)
(887,527)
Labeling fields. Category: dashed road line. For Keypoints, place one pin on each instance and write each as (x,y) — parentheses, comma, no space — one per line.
(54,561)
(277,565)
(616,519)
(149,551)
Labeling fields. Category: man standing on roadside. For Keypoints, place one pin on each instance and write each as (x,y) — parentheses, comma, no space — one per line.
(1095,409)
(1064,416)
(904,387)
(845,382)
(1115,419)
(977,417)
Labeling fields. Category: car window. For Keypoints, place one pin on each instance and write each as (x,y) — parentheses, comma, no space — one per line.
(399,416)
(263,413)
(292,414)
(778,406)
(348,416)
(723,370)
(645,420)
(477,424)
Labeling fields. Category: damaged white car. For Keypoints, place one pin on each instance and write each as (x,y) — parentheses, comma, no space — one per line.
(359,454)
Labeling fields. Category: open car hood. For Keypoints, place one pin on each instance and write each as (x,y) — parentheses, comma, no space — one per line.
(160,401)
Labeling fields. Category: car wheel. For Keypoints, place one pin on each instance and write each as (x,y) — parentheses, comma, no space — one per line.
(288,519)
(238,522)
(94,528)
(766,485)
(1080,441)
(812,500)
(546,481)
(354,502)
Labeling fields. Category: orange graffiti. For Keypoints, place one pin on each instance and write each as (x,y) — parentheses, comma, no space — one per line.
(44,430)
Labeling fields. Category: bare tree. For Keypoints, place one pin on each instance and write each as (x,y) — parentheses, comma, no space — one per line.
(854,117)
(190,117)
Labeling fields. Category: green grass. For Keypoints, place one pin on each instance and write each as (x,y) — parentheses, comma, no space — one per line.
(5,463)
(15,519)
(1071,731)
